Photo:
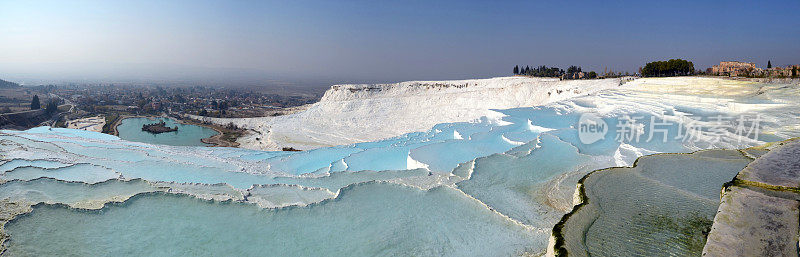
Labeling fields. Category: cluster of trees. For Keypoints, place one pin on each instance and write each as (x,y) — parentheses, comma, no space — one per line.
(574,69)
(673,67)
(52,105)
(573,72)
(541,71)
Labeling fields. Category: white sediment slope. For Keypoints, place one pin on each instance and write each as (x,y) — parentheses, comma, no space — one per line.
(349,114)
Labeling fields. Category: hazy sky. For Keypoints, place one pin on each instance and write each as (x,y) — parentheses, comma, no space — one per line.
(355,41)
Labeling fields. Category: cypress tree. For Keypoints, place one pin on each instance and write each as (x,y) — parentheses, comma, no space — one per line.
(52,107)
(35,104)
(769,64)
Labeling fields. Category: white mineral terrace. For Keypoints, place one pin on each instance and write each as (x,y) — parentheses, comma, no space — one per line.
(474,167)
(759,213)
(349,114)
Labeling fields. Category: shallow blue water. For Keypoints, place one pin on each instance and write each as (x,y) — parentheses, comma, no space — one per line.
(187,135)
(368,220)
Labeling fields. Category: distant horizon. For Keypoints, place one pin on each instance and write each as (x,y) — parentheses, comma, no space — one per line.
(251,78)
(320,43)
(242,78)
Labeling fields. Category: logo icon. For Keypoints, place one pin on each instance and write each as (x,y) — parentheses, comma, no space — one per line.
(591,128)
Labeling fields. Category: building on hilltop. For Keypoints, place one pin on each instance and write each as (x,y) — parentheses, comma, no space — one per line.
(736,69)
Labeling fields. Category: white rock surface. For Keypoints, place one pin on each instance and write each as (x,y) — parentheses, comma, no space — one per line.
(90,124)
(750,223)
(779,167)
(349,114)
